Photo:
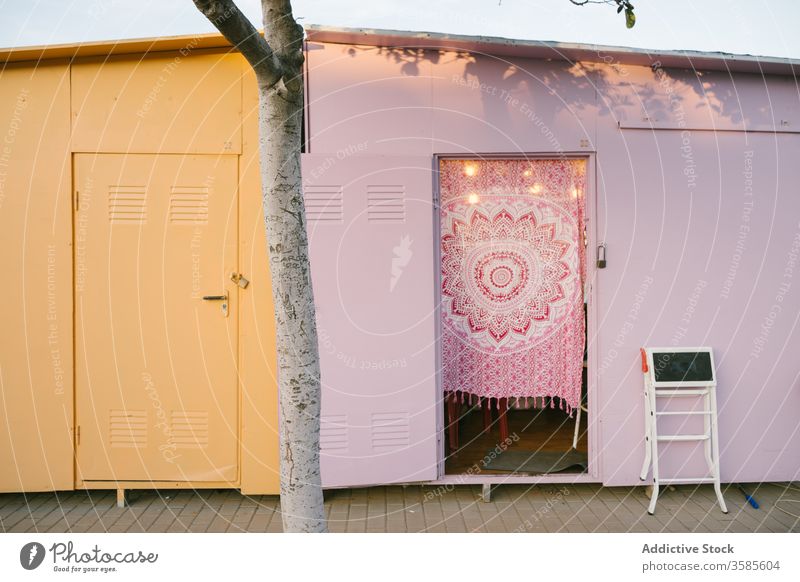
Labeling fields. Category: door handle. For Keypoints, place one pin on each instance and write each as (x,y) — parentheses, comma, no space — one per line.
(601,256)
(223,298)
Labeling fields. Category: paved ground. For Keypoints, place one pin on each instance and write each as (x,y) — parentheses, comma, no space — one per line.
(561,508)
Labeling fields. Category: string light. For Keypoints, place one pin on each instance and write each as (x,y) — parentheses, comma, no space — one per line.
(470,170)
(473,198)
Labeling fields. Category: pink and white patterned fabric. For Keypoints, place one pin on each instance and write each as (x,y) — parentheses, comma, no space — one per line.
(513,263)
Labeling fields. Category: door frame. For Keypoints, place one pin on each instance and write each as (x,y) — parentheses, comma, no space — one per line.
(592,418)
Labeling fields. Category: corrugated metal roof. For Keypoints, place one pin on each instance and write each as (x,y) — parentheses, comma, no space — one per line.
(503,47)
(136,46)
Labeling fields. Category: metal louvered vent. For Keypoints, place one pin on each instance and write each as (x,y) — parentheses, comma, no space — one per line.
(188,204)
(333,432)
(127,428)
(127,205)
(389,430)
(386,203)
(324,204)
(189,430)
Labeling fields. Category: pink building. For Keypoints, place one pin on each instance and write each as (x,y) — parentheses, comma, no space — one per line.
(679,167)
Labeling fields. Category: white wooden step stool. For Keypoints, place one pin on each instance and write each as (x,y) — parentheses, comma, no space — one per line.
(679,373)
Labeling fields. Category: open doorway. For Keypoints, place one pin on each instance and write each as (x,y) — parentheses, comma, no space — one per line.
(514,315)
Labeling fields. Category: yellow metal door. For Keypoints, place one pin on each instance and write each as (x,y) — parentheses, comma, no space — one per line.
(156,383)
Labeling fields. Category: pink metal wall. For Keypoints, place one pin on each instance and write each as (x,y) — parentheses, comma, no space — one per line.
(695,179)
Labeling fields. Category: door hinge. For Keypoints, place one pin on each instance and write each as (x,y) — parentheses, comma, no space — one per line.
(78,435)
(76,200)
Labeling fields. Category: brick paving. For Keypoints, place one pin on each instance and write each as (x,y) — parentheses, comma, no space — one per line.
(413,508)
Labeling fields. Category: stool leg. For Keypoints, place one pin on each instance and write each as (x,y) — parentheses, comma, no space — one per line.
(503,406)
(452,421)
(651,509)
(715,448)
(486,405)
(648,431)
(486,493)
(577,432)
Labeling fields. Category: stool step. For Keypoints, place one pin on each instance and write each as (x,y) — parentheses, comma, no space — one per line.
(682,392)
(688,480)
(684,437)
(687,412)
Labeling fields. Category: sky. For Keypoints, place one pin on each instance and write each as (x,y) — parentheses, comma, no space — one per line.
(757,27)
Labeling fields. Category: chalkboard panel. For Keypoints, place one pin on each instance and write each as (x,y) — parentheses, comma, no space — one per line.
(682,367)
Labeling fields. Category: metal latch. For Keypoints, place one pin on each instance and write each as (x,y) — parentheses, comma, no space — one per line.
(223,298)
(601,256)
(240,280)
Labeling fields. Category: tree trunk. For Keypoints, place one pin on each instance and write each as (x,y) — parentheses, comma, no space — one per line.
(277,59)
(280,120)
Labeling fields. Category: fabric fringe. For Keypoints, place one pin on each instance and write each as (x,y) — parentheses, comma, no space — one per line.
(519,402)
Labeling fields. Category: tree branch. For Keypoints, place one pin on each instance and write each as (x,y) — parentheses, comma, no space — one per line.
(630,17)
(234,26)
(285,35)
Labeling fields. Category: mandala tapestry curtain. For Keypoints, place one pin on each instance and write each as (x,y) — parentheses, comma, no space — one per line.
(513,263)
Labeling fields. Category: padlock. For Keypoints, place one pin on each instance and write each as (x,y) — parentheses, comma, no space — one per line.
(601,256)
(240,280)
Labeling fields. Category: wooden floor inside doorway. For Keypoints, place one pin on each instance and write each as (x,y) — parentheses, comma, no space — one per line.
(547,429)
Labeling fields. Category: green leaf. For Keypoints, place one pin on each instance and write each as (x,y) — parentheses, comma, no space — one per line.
(630,18)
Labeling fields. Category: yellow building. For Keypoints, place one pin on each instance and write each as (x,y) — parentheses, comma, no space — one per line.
(129,209)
